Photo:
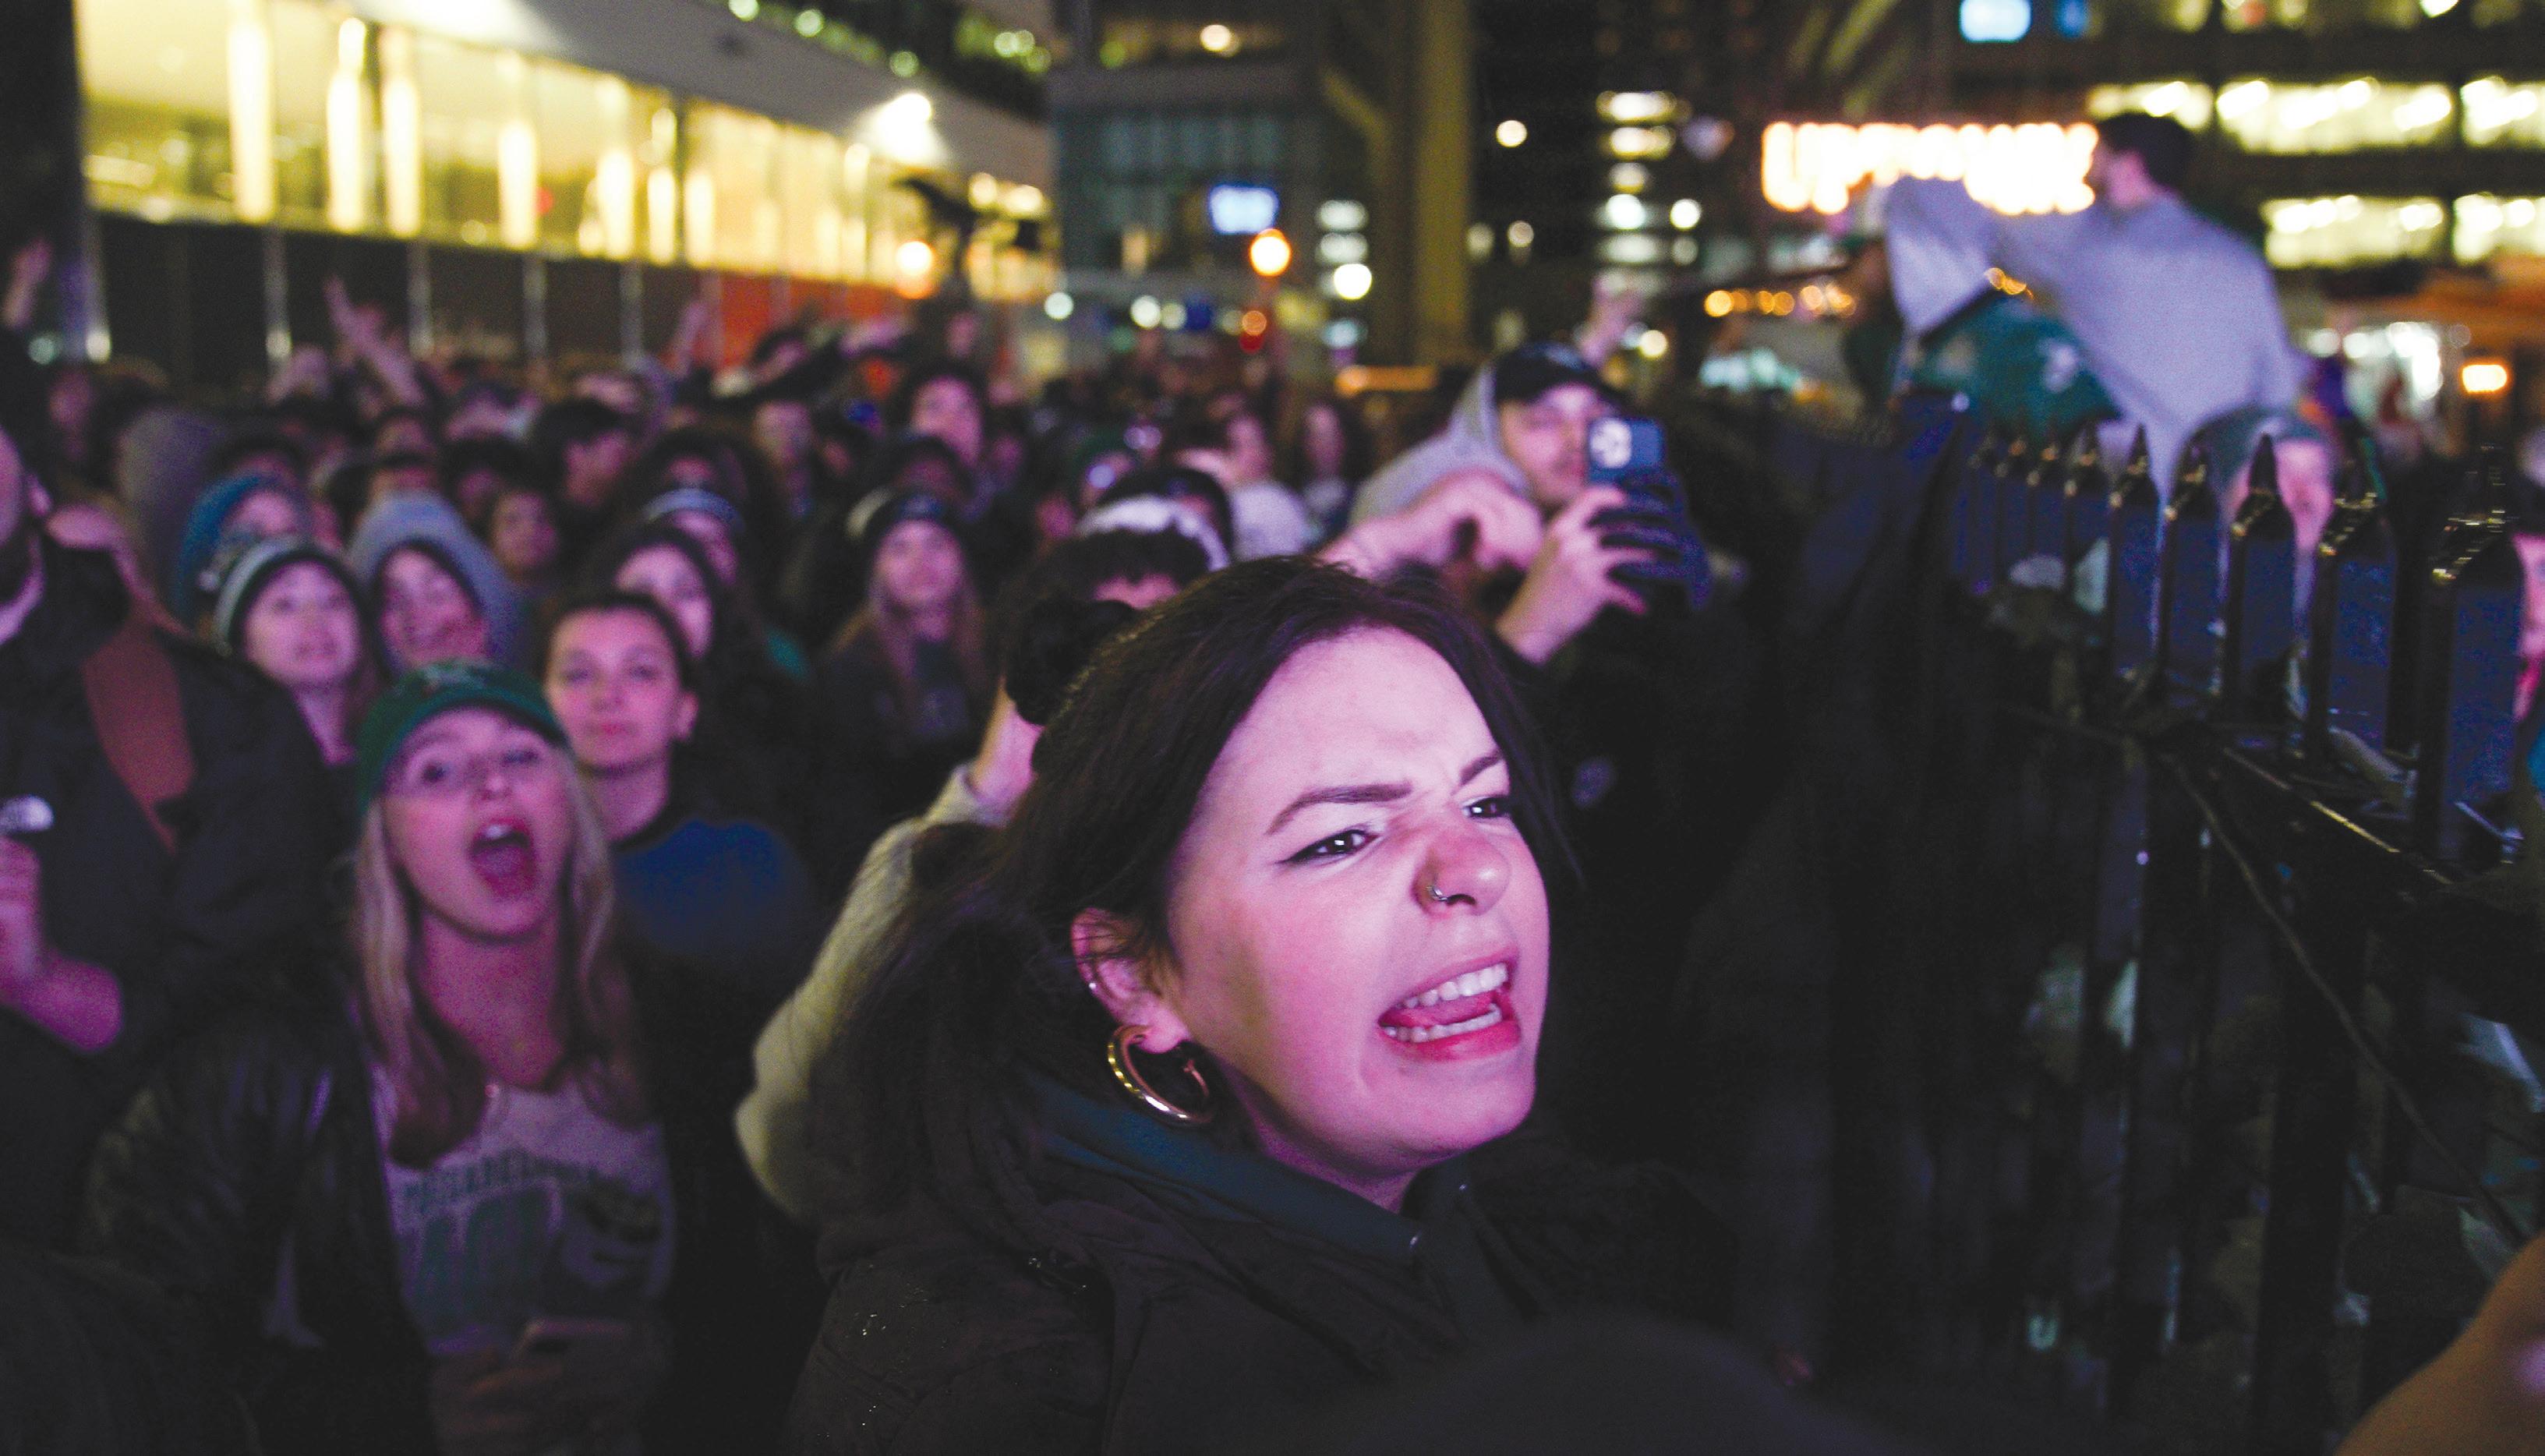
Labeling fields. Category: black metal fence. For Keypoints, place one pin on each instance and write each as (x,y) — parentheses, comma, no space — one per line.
(2224,1114)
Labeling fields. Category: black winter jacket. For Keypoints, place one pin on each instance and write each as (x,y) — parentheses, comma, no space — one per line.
(184,933)
(256,1146)
(1160,1331)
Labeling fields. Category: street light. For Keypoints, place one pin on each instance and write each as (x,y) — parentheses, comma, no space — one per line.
(1270,254)
(1511,132)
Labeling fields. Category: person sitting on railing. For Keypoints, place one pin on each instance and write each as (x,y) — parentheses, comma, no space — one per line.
(2178,317)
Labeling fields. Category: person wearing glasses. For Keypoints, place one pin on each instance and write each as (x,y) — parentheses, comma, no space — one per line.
(480,1199)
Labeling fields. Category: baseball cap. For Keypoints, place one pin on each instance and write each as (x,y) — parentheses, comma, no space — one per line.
(428,692)
(1530,370)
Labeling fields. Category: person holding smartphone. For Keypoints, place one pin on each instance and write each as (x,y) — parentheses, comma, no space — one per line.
(484,1202)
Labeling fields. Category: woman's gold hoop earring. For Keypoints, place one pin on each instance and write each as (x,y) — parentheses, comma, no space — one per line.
(1118,1055)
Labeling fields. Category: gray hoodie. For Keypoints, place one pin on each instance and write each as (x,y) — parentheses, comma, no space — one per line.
(2179,317)
(429,520)
(1471,441)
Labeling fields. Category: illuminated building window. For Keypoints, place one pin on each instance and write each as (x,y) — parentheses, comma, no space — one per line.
(461,104)
(2332,232)
(2335,116)
(2500,113)
(323,128)
(159,89)
(1646,142)
(1631,249)
(2311,16)
(1636,107)
(1132,40)
(297,113)
(2488,225)
(2187,102)
(2256,15)
(591,131)
(810,202)
(734,154)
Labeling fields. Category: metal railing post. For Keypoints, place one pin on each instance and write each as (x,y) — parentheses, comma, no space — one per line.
(2188,613)
(2262,591)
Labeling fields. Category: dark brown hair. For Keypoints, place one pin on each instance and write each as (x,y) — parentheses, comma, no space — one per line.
(920,1099)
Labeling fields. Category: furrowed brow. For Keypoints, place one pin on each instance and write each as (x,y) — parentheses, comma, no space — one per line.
(1353,794)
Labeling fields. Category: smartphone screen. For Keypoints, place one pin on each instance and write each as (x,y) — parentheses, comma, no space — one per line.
(1622,448)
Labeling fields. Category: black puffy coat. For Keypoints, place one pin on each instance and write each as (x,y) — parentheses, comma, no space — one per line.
(1150,1329)
(257,1143)
(185,933)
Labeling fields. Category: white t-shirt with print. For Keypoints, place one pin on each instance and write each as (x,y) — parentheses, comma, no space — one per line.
(547,1209)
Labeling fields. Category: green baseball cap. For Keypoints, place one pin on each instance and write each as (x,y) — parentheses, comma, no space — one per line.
(430,691)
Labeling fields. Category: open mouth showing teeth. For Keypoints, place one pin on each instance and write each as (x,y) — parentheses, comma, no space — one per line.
(501,854)
(1474,982)
(1492,1017)
(1460,1007)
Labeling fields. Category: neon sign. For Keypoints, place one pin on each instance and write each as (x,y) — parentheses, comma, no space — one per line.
(2034,168)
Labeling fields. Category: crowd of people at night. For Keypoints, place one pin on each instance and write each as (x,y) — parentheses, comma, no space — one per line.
(825,901)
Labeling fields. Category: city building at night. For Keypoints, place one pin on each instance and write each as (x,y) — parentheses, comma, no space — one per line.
(548,178)
(2387,155)
(1187,130)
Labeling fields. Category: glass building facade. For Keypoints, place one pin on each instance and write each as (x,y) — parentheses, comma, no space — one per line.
(303,118)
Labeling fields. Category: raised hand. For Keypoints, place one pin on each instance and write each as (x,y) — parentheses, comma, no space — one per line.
(1569,585)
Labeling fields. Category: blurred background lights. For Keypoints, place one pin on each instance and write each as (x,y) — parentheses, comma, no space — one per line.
(1341,215)
(1630,107)
(1644,142)
(1624,213)
(1270,254)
